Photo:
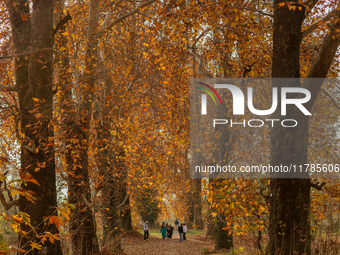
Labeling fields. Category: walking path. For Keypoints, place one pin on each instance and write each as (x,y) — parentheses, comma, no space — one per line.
(197,244)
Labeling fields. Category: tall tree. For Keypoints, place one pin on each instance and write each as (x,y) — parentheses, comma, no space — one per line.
(289,227)
(34,31)
(82,223)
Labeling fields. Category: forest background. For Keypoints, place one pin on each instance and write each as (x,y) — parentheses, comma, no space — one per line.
(95,127)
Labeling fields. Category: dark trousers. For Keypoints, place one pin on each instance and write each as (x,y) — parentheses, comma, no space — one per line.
(184,238)
(146,234)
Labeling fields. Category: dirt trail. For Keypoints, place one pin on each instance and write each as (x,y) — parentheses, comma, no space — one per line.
(136,245)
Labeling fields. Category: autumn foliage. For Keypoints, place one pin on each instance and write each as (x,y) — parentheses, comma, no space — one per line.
(95,126)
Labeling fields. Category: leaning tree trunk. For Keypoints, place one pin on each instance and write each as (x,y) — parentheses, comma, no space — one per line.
(289,227)
(34,87)
(82,223)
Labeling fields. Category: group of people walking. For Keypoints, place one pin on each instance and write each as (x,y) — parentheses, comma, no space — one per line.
(167,230)
(182,230)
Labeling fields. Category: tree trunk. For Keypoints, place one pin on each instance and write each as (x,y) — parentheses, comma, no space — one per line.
(112,167)
(125,212)
(289,227)
(34,81)
(197,206)
(211,230)
(223,240)
(224,149)
(82,223)
(109,186)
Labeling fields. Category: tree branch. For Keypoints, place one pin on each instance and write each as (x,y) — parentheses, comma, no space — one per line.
(316,24)
(266,197)
(249,9)
(62,23)
(330,97)
(107,18)
(322,62)
(8,205)
(317,185)
(116,21)
(192,52)
(33,51)
(123,203)
(199,37)
(4,89)
(3,201)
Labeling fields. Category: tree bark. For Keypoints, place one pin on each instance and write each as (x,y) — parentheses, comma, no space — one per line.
(197,205)
(289,224)
(110,183)
(289,227)
(34,81)
(82,223)
(211,230)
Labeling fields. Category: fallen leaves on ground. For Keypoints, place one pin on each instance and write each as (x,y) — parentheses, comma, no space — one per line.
(156,245)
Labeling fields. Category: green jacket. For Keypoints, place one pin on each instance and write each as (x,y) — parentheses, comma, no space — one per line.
(163,231)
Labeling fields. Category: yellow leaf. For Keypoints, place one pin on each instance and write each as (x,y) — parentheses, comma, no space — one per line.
(36,245)
(64,213)
(56,221)
(15,228)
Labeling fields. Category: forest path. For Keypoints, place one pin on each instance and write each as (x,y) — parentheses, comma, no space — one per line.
(134,244)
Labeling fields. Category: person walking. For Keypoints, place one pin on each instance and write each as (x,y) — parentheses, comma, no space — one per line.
(171,231)
(163,231)
(180,231)
(184,231)
(146,230)
(176,224)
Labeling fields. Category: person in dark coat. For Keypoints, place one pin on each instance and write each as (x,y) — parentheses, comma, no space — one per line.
(170,230)
(180,231)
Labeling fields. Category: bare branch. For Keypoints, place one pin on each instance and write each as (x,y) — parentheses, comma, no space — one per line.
(249,9)
(266,197)
(86,201)
(192,52)
(123,203)
(199,37)
(3,201)
(62,23)
(34,51)
(8,205)
(330,97)
(116,21)
(316,24)
(317,185)
(4,89)
(322,62)
(107,18)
